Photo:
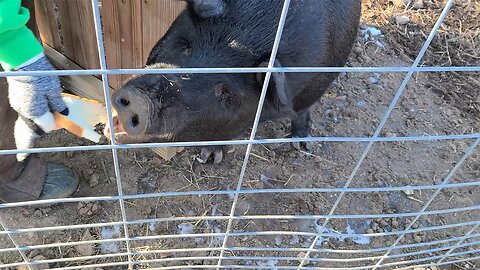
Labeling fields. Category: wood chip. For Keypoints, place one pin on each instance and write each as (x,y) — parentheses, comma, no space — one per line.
(408,192)
(167,153)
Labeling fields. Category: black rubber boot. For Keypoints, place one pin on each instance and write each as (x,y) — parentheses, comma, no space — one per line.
(60,182)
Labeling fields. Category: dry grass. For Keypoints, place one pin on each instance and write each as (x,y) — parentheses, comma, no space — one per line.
(457,44)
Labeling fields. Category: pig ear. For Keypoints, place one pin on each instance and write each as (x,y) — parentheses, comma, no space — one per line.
(277,85)
(207,8)
(224,95)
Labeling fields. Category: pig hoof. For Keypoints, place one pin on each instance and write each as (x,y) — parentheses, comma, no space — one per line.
(300,146)
(207,152)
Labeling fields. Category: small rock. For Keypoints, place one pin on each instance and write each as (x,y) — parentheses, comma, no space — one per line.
(349,241)
(408,192)
(395,224)
(87,172)
(429,220)
(384,223)
(301,255)
(361,104)
(264,179)
(373,80)
(376,88)
(415,226)
(418,4)
(33,254)
(417,239)
(369,231)
(389,134)
(87,249)
(94,180)
(88,209)
(402,19)
(38,213)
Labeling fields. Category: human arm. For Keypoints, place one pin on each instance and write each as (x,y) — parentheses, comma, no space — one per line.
(33,97)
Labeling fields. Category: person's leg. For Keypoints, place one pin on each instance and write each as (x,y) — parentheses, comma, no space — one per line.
(32,179)
(18,181)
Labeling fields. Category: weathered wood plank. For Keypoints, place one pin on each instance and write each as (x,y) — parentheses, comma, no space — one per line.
(157,16)
(47,23)
(78,33)
(123,36)
(84,86)
(89,48)
(132,28)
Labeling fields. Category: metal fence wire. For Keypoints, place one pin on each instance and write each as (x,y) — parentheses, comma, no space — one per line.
(448,251)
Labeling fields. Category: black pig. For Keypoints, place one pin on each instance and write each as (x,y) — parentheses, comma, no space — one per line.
(236,33)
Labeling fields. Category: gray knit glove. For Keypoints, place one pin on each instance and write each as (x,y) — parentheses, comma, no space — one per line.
(35,99)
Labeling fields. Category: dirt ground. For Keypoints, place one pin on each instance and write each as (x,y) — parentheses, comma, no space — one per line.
(433,104)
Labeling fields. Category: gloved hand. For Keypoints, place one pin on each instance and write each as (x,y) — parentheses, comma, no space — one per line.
(35,99)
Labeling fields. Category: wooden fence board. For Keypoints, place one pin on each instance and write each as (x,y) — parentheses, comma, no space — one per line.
(78,33)
(157,18)
(131,28)
(122,27)
(47,23)
(87,86)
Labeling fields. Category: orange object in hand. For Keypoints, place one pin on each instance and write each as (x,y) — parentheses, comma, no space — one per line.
(84,115)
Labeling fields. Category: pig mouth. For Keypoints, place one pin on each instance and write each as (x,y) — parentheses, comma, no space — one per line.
(122,137)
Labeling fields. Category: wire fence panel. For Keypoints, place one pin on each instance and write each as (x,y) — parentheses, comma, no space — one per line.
(384,187)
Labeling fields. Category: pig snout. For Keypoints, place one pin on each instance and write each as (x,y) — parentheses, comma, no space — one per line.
(132,109)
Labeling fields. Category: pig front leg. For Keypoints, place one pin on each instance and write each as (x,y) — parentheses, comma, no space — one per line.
(301,125)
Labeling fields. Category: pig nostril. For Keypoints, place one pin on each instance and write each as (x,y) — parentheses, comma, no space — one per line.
(135,121)
(124,102)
